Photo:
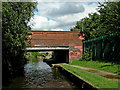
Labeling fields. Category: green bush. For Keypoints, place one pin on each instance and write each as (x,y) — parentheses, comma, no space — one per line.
(33,56)
(28,56)
(87,56)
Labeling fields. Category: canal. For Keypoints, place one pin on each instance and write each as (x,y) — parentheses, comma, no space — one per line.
(41,75)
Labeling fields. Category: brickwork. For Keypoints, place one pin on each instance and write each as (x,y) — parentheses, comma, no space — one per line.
(75,52)
(54,38)
(56,42)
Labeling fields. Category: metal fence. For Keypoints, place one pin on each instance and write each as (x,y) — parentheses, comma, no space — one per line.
(104,48)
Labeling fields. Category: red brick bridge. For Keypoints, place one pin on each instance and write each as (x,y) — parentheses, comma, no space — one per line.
(66,44)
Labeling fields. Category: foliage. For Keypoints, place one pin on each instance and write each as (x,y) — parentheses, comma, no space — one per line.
(105,66)
(15,17)
(28,56)
(89,25)
(33,56)
(0,14)
(105,21)
(29,33)
(94,79)
(87,56)
(110,16)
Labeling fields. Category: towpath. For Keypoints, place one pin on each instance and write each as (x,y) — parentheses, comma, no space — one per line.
(109,75)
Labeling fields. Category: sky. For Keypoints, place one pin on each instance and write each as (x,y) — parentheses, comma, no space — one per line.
(56,15)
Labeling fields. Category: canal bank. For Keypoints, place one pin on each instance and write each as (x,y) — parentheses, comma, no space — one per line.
(85,78)
(80,82)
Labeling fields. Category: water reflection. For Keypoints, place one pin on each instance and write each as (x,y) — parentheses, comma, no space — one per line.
(37,74)
(40,75)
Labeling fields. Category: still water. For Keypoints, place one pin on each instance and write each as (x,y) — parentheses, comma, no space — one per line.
(40,75)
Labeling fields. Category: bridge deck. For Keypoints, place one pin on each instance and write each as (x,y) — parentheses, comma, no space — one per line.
(46,48)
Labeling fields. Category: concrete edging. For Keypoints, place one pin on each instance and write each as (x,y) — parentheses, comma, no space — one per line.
(74,76)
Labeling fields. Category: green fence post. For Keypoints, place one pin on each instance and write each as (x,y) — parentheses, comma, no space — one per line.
(95,49)
(102,48)
(113,51)
(83,47)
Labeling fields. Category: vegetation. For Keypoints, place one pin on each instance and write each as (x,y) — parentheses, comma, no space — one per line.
(15,17)
(105,66)
(96,80)
(104,22)
(87,56)
(0,14)
(33,56)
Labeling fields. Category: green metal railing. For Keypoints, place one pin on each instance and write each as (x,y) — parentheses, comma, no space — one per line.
(104,48)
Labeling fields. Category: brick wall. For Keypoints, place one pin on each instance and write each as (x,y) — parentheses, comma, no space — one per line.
(61,38)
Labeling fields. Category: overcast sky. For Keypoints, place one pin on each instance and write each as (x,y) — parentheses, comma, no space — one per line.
(62,15)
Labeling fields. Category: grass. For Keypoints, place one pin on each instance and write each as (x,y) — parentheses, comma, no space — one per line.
(96,80)
(32,56)
(105,66)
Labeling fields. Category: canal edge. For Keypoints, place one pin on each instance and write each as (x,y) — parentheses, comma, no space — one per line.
(58,66)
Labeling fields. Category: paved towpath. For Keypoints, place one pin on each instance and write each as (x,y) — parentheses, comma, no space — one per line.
(109,75)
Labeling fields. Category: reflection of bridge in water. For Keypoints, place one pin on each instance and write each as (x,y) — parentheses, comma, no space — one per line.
(67,45)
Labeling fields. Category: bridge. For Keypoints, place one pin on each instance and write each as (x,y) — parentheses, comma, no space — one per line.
(67,45)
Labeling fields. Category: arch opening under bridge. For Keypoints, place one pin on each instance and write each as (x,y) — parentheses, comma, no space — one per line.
(61,54)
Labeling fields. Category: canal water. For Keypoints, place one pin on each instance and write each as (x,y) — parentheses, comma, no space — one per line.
(41,75)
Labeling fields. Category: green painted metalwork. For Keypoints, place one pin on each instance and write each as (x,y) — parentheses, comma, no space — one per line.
(104,48)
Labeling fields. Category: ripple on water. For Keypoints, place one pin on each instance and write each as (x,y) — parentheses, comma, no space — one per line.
(37,74)
(40,75)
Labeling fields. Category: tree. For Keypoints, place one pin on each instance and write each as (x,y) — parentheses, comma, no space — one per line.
(15,16)
(0,14)
(89,25)
(104,23)
(110,17)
